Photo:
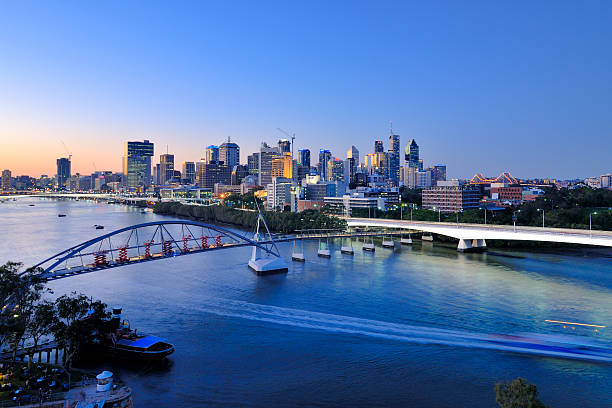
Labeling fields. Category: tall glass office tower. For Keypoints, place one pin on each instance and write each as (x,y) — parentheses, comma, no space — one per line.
(137,164)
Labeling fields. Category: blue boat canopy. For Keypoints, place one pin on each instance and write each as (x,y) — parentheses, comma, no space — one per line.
(143,343)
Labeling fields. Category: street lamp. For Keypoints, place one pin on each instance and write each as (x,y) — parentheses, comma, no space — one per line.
(541,209)
(515,218)
(591,224)
(485,213)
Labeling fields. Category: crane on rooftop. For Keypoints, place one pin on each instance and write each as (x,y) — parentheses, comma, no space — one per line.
(67,151)
(289,135)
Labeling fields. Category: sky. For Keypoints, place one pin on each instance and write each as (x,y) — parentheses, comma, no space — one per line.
(483,87)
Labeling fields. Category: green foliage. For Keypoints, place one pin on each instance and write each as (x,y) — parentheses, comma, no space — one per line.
(411,195)
(282,222)
(25,319)
(19,294)
(517,394)
(79,320)
(562,209)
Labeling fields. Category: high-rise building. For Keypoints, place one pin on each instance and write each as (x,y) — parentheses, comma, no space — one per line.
(211,154)
(411,155)
(137,164)
(284,146)
(253,163)
(210,174)
(378,146)
(278,193)
(438,173)
(189,172)
(335,170)
(239,172)
(266,154)
(393,159)
(229,153)
(304,157)
(63,172)
(166,168)
(380,163)
(324,159)
(352,161)
(283,166)
(6,180)
(369,162)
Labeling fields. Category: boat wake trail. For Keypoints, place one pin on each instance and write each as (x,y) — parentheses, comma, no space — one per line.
(546,345)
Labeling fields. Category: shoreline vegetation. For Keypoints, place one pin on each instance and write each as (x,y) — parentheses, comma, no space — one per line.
(279,222)
(28,320)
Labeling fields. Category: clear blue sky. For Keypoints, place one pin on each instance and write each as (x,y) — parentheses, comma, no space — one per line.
(484,86)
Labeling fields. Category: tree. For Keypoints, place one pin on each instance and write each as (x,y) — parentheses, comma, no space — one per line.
(19,293)
(517,394)
(78,322)
(41,323)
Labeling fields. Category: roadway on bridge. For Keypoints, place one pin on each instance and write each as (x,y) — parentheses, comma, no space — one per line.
(498,232)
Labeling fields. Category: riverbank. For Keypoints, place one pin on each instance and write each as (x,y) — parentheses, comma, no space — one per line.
(281,222)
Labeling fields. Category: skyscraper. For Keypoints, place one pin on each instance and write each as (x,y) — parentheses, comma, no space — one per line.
(394,159)
(411,154)
(211,155)
(6,180)
(352,161)
(253,163)
(304,157)
(378,146)
(284,146)
(137,164)
(189,172)
(282,166)
(166,168)
(335,170)
(210,174)
(266,154)
(229,153)
(438,174)
(324,158)
(63,172)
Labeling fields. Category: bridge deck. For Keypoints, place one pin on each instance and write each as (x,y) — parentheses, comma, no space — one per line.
(501,232)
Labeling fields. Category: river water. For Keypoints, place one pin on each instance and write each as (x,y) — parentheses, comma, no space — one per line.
(334,332)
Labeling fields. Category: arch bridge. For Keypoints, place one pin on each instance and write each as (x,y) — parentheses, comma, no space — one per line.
(146,242)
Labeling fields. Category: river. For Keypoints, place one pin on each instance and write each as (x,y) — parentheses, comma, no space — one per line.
(334,332)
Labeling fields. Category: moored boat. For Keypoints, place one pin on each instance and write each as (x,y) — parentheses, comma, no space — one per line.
(124,342)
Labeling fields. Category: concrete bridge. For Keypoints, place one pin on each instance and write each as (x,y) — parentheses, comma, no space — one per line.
(474,236)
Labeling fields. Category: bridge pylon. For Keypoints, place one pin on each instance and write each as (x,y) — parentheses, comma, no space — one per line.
(270,262)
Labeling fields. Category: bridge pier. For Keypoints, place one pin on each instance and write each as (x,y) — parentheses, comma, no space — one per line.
(388,242)
(324,251)
(406,241)
(347,249)
(472,245)
(297,253)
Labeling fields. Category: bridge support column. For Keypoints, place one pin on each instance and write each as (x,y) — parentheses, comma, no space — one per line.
(267,264)
(472,245)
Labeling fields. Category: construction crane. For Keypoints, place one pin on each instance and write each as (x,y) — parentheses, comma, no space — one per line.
(291,136)
(67,151)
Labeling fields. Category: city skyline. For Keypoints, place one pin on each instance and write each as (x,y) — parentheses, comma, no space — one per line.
(475,93)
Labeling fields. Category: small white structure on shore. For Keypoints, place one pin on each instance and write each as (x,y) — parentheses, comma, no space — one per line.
(105,381)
